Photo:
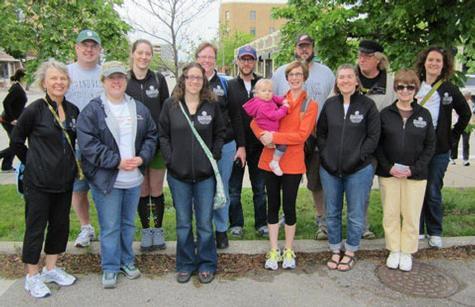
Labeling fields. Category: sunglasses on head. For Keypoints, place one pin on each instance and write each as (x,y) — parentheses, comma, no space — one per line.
(410,87)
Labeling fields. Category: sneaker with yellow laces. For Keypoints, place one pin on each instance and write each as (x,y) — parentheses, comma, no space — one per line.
(272,259)
(288,259)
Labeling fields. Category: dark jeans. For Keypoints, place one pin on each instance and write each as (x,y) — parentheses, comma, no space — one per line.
(289,185)
(45,209)
(7,154)
(465,147)
(432,213)
(236,217)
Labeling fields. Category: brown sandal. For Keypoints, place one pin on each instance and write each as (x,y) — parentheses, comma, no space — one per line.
(350,263)
(333,261)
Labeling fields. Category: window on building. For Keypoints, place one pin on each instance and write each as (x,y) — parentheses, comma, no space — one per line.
(252,30)
(227,15)
(252,15)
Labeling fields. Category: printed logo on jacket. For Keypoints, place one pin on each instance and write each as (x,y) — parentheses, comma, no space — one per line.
(151,92)
(419,123)
(204,118)
(356,118)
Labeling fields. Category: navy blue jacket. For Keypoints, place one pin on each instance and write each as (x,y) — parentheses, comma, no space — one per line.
(100,155)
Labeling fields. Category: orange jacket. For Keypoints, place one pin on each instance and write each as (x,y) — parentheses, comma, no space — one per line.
(293,131)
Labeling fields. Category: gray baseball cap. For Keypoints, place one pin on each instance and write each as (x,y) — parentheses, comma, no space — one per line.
(113,67)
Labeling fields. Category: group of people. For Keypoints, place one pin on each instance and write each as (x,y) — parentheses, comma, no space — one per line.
(116,130)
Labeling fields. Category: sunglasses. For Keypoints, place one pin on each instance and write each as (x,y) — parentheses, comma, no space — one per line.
(409,87)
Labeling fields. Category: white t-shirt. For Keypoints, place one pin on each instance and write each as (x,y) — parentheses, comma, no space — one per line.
(85,85)
(248,86)
(125,179)
(346,106)
(433,104)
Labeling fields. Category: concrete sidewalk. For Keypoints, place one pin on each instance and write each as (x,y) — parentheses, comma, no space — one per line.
(310,286)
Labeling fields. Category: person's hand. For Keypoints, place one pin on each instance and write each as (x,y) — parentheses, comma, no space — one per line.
(130,164)
(136,161)
(266,138)
(285,103)
(396,172)
(241,155)
(13,122)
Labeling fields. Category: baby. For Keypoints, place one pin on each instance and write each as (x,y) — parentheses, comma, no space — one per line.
(268,110)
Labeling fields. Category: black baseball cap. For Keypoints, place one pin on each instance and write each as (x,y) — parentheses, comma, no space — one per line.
(370,46)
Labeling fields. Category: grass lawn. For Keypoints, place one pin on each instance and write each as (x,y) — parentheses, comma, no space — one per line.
(459,205)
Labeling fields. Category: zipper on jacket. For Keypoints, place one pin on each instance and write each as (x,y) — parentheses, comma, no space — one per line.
(340,152)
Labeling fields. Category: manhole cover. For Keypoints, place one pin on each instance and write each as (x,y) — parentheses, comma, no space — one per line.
(424,280)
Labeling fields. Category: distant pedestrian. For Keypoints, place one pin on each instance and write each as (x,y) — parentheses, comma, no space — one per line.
(434,67)
(117,138)
(49,125)
(13,106)
(347,136)
(465,134)
(151,89)
(405,148)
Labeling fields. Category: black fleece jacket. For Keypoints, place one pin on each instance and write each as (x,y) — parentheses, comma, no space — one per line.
(237,95)
(411,144)
(347,143)
(14,103)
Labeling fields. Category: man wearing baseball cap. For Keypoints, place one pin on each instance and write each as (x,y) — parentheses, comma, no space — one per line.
(318,86)
(240,91)
(85,85)
(377,84)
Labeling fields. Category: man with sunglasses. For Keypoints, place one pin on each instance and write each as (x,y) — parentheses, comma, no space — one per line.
(377,84)
(85,85)
(318,86)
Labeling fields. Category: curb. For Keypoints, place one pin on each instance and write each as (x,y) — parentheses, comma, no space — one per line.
(245,247)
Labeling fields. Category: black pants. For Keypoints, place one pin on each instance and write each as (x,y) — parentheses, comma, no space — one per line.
(45,209)
(465,146)
(289,184)
(7,154)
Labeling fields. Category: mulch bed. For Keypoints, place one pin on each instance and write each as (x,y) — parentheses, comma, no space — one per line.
(229,265)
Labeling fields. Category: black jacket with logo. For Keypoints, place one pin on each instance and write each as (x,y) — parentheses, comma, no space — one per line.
(183,154)
(230,110)
(411,143)
(151,91)
(450,98)
(50,165)
(237,94)
(347,143)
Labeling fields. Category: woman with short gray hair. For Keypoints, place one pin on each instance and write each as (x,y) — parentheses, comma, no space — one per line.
(49,124)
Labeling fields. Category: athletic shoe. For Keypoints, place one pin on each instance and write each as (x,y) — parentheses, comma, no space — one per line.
(8,170)
(321,233)
(57,276)
(435,241)
(263,231)
(288,259)
(158,238)
(130,271)
(452,161)
(466,163)
(393,260)
(272,259)
(422,237)
(85,236)
(275,167)
(368,235)
(405,262)
(222,241)
(146,242)
(109,280)
(236,231)
(36,286)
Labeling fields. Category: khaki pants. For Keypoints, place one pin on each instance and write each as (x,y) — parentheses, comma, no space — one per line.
(401,197)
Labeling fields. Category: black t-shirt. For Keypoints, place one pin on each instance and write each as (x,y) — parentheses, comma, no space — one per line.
(374,86)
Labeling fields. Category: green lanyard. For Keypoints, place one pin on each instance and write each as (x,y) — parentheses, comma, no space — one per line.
(78,164)
(431,92)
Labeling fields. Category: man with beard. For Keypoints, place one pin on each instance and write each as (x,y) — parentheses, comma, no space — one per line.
(377,84)
(318,86)
(240,90)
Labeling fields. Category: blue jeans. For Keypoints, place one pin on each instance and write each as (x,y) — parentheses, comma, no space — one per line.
(116,211)
(225,165)
(432,213)
(197,197)
(356,188)
(236,217)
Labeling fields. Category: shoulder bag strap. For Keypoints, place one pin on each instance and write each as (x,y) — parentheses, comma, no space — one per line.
(66,135)
(431,92)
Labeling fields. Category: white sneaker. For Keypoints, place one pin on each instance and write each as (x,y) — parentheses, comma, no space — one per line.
(272,259)
(393,260)
(36,287)
(57,276)
(85,236)
(405,262)
(466,163)
(452,162)
(435,241)
(275,167)
(422,237)
(288,259)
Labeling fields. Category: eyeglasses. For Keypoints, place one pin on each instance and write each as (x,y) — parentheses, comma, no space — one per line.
(247,60)
(410,87)
(364,55)
(89,45)
(194,78)
(297,75)
(206,57)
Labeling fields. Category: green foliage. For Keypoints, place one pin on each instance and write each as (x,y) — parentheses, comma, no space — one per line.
(45,29)
(228,43)
(403,27)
